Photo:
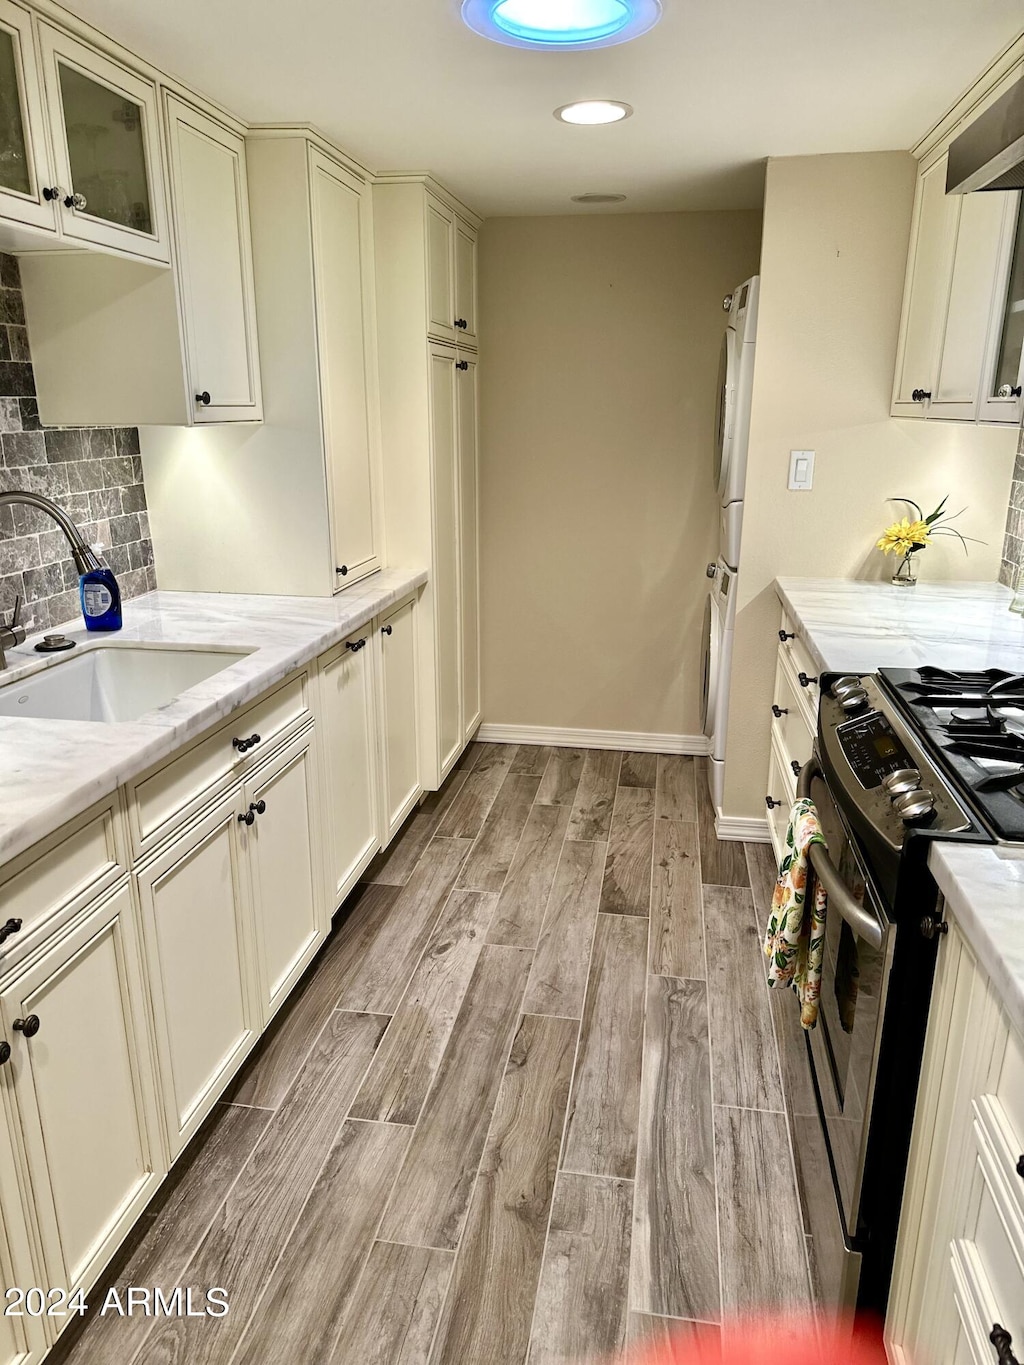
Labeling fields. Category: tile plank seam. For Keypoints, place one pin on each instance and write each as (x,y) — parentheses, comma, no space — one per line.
(700,776)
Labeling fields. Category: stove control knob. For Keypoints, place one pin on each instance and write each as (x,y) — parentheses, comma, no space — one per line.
(853,699)
(847,683)
(914,805)
(902,780)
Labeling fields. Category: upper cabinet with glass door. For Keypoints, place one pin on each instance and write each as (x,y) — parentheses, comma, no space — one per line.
(105,133)
(26,193)
(1004,367)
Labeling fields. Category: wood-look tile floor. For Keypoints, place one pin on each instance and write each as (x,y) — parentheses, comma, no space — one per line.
(524,1109)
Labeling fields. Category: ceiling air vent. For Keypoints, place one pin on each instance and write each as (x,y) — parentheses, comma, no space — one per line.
(597,198)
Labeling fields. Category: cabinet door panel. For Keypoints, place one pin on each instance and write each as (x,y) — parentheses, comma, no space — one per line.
(927,294)
(18,1336)
(212,232)
(444,438)
(465,280)
(283,848)
(971,293)
(1003,399)
(341,243)
(400,715)
(194,906)
(468,398)
(106,141)
(23,168)
(80,1088)
(440,293)
(347,728)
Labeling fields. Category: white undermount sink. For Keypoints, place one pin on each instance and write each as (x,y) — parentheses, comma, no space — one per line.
(112,682)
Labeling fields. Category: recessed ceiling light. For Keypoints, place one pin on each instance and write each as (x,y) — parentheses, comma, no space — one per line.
(571,24)
(594,111)
(597,198)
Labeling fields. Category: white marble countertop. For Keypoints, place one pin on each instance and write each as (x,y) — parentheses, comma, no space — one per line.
(54,769)
(852,627)
(984,888)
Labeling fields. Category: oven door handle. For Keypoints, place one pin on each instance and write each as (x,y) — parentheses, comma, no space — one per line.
(863,924)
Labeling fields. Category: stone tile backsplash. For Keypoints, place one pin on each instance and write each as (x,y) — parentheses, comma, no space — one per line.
(1013,541)
(94,473)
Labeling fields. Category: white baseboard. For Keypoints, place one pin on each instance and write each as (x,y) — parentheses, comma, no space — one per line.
(748,829)
(639,741)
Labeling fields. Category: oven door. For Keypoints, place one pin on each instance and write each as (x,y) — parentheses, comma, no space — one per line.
(830,1070)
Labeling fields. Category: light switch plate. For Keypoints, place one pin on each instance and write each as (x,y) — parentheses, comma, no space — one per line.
(801,470)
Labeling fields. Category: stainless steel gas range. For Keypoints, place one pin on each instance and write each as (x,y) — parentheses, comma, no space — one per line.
(902,758)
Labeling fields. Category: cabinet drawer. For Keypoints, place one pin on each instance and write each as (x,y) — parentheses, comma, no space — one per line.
(800,660)
(59,875)
(795,738)
(178,788)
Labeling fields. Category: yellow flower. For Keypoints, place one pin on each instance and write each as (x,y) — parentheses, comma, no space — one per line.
(903,536)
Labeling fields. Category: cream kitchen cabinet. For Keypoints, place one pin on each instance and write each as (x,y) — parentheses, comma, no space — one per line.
(465,274)
(793,725)
(451,274)
(348,730)
(80,1082)
(959,1274)
(26,185)
(213,259)
(22,1341)
(280,835)
(200,948)
(954,349)
(400,713)
(430,460)
(105,133)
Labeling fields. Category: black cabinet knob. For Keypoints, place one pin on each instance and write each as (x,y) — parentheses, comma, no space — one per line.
(1003,1342)
(11,927)
(248,818)
(51,192)
(919,395)
(260,807)
(931,928)
(76,201)
(342,569)
(1015,391)
(797,767)
(385,630)
(29,1026)
(771,803)
(462,364)
(779,711)
(244,745)
(1020,1166)
(203,398)
(461,323)
(804,680)
(5,1052)
(785,635)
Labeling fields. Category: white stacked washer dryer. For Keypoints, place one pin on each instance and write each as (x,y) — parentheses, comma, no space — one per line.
(732,429)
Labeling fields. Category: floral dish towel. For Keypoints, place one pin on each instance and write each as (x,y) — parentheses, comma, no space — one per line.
(795,938)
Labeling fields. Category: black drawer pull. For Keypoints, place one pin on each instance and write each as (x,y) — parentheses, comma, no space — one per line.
(1003,1342)
(247,818)
(771,803)
(11,927)
(244,745)
(385,630)
(355,645)
(203,399)
(785,635)
(29,1026)
(797,767)
(342,569)
(462,364)
(804,680)
(779,711)
(919,395)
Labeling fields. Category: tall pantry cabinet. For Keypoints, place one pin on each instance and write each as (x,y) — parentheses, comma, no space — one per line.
(427,338)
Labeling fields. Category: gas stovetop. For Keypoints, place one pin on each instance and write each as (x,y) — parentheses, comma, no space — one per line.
(974,723)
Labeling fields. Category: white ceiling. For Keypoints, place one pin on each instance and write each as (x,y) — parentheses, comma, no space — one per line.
(717,86)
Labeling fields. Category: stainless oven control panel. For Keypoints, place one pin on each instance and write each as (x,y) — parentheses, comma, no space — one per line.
(874,764)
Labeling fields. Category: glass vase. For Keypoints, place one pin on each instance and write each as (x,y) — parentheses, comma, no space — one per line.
(906,572)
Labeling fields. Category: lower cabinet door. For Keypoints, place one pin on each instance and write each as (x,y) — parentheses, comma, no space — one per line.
(21,1334)
(347,730)
(83,1085)
(195,914)
(283,850)
(399,713)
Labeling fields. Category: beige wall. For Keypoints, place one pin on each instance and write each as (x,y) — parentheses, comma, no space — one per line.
(597,506)
(833,258)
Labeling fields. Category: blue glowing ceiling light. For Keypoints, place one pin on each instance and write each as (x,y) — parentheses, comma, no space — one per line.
(564,24)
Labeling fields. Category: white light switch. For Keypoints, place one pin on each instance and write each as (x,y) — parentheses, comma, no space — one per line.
(801,469)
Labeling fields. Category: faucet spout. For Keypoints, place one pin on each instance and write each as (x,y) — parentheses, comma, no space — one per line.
(84,556)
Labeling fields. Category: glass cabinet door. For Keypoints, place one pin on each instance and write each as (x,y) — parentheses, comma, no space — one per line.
(22,168)
(106,141)
(1005,367)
